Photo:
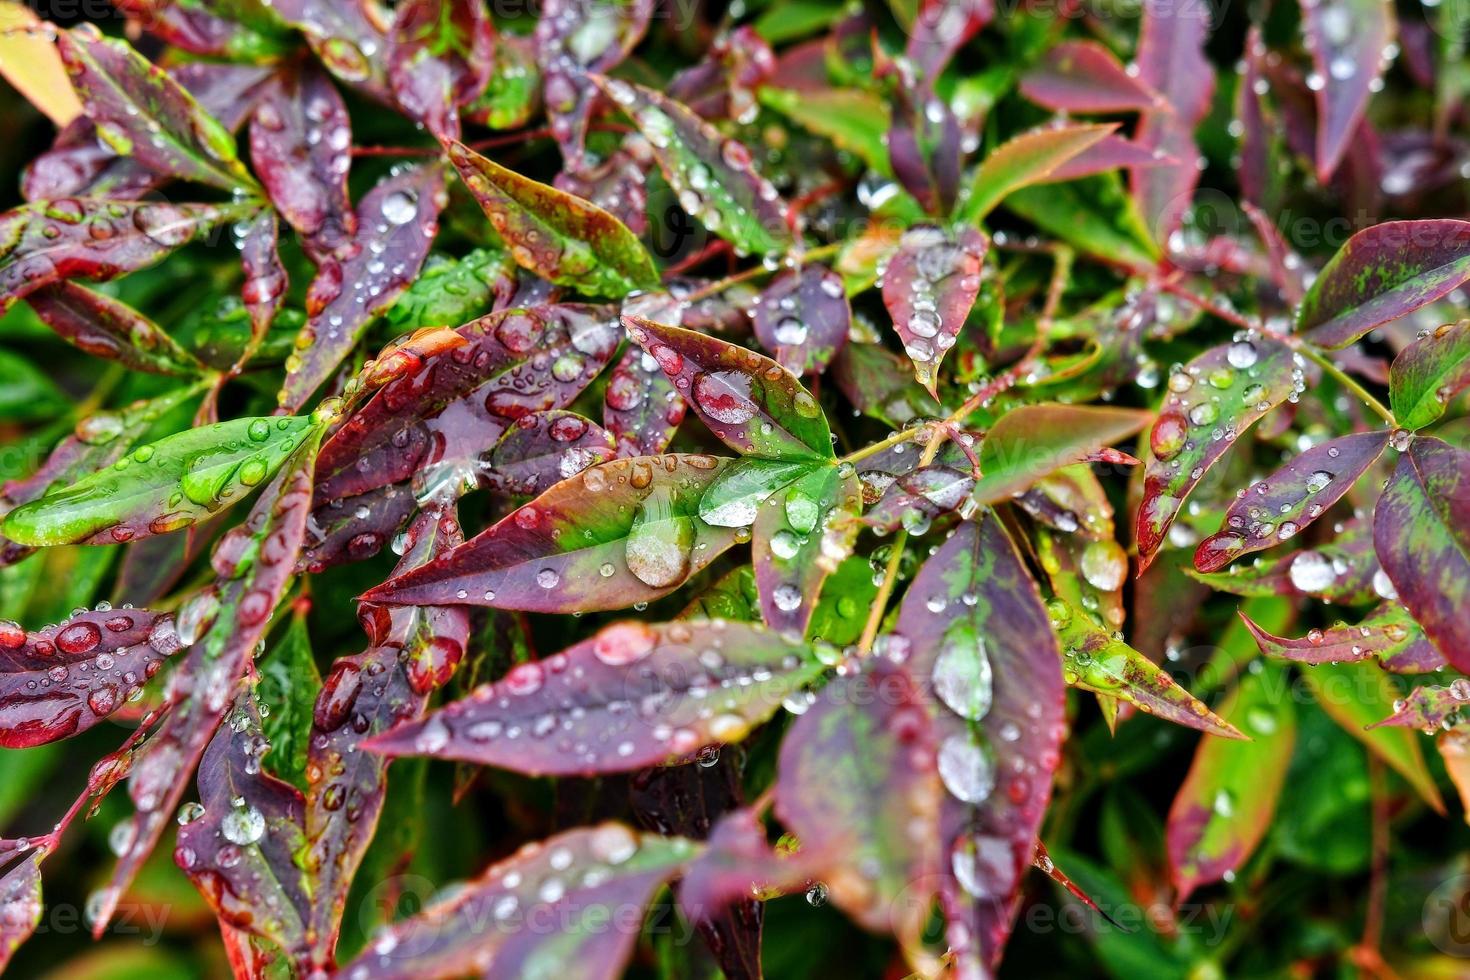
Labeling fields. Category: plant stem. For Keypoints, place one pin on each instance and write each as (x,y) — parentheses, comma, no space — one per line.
(904,435)
(1342,378)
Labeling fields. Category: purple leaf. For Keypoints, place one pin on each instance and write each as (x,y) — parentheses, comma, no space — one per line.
(265,277)
(634,695)
(1348,40)
(917,497)
(344,529)
(544,448)
(574,37)
(20,904)
(439,58)
(106,327)
(1283,504)
(1112,152)
(617,185)
(396,222)
(346,37)
(941,28)
(1084,76)
(640,409)
(1387,635)
(803,318)
(1430,708)
(929,286)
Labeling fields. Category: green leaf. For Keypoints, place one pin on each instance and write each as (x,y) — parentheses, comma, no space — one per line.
(800,533)
(1428,373)
(451,292)
(163,486)
(558,236)
(853,119)
(1094,215)
(27,394)
(1032,441)
(289,683)
(1026,160)
(734,498)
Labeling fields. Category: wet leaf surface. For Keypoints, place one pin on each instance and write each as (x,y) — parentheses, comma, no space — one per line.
(1428,373)
(1387,635)
(803,319)
(1032,441)
(106,327)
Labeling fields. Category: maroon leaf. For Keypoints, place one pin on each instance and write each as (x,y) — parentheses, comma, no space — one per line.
(924,140)
(800,535)
(72,238)
(1421,532)
(1283,504)
(457,405)
(1112,152)
(239,845)
(916,498)
(106,327)
(62,680)
(355,528)
(20,904)
(439,58)
(1387,635)
(347,37)
(803,318)
(1084,76)
(623,532)
(634,695)
(564,900)
(640,409)
(396,222)
(265,277)
(979,637)
(940,28)
(738,863)
(1348,40)
(929,286)
(572,38)
(1431,708)
(1383,273)
(617,185)
(544,448)
(300,144)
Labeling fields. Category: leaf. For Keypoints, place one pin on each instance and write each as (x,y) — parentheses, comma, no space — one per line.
(1225,390)
(59,681)
(634,695)
(545,910)
(355,528)
(513,94)
(1077,549)
(459,404)
(300,145)
(439,58)
(1419,534)
(858,785)
(879,384)
(1084,76)
(161,487)
(1226,802)
(914,499)
(978,640)
(1429,708)
(714,176)
(1381,274)
(1356,697)
(1022,161)
(1428,373)
(558,236)
(20,897)
(48,241)
(239,849)
(623,532)
(1347,39)
(544,448)
(396,221)
(30,63)
(803,318)
(572,38)
(1283,504)
(1031,441)
(640,408)
(799,535)
(106,327)
(929,287)
(1096,661)
(1386,635)
(265,285)
(455,291)
(1094,215)
(346,38)
(289,682)
(853,119)
(750,402)
(141,112)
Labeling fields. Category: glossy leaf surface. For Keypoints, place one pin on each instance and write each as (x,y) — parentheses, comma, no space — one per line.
(1031,441)
(803,318)
(1027,159)
(1428,373)
(929,286)
(106,327)
(1387,635)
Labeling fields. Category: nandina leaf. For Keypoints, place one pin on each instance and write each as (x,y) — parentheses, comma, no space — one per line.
(1381,274)
(733,499)
(881,385)
(1428,373)
(240,849)
(559,236)
(513,94)
(544,448)
(1347,39)
(62,680)
(439,58)
(853,119)
(106,327)
(800,534)
(914,499)
(1430,708)
(254,563)
(347,37)
(1095,660)
(1031,441)
(572,38)
(750,402)
(978,639)
(344,529)
(1112,152)
(560,905)
(1387,635)
(1084,76)
(1278,507)
(20,904)
(1076,545)
(31,64)
(623,532)
(618,185)
(1421,533)
(924,139)
(300,144)
(1344,571)
(455,291)
(163,486)
(859,787)
(1370,695)
(1025,160)
(634,695)
(143,113)
(289,683)
(939,29)
(48,241)
(803,318)
(396,221)
(1227,800)
(929,286)
(364,695)
(714,176)
(1224,390)
(640,408)
(264,289)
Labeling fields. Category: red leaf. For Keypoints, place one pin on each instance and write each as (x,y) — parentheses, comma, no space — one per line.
(1084,76)
(1348,39)
(544,448)
(803,318)
(640,407)
(106,327)
(439,58)
(567,50)
(1387,634)
(929,286)
(265,277)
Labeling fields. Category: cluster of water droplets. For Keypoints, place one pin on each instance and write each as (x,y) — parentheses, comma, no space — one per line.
(929,286)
